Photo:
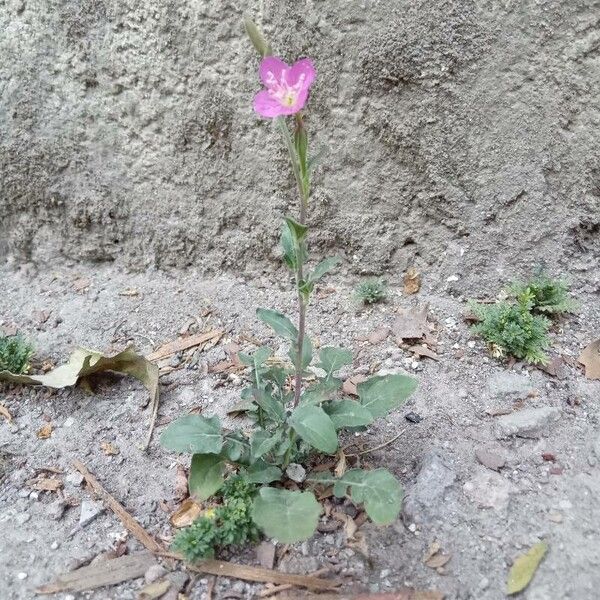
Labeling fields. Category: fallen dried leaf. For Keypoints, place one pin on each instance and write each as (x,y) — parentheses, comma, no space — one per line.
(590,359)
(438,560)
(410,324)
(45,432)
(340,468)
(154,590)
(349,386)
(421,350)
(186,514)
(181,483)
(350,527)
(412,281)
(5,413)
(109,449)
(360,543)
(106,572)
(524,568)
(185,343)
(83,363)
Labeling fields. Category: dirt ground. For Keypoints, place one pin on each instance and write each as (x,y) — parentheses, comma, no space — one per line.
(481,518)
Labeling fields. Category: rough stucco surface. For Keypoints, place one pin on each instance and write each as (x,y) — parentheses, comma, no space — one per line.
(462,134)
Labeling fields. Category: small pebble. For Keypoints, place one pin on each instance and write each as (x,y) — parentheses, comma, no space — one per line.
(21,576)
(413,417)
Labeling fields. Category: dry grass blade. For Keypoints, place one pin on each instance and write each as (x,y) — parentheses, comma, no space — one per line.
(107,572)
(128,521)
(185,343)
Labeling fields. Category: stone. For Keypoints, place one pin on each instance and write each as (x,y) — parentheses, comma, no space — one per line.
(22,518)
(89,511)
(426,497)
(296,472)
(154,572)
(265,554)
(529,422)
(56,509)
(75,478)
(509,385)
(490,459)
(489,490)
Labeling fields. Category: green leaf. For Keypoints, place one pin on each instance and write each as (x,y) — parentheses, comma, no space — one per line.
(289,249)
(321,391)
(524,568)
(315,427)
(206,475)
(262,472)
(381,394)
(301,144)
(333,359)
(323,267)
(348,413)
(236,448)
(259,43)
(307,352)
(378,490)
(263,441)
(297,230)
(195,434)
(286,516)
(272,407)
(278,322)
(257,358)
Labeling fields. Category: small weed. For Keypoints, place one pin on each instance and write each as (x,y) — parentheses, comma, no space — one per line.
(15,353)
(512,329)
(372,291)
(544,295)
(228,524)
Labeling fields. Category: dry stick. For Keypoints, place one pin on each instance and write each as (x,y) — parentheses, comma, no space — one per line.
(223,568)
(130,523)
(286,586)
(368,450)
(155,403)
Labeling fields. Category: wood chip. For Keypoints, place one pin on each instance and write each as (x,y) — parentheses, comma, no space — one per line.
(590,359)
(410,324)
(412,281)
(106,572)
(185,343)
(5,413)
(45,432)
(128,521)
(421,350)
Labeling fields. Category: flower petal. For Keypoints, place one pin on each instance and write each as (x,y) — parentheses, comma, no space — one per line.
(302,67)
(271,69)
(298,104)
(266,106)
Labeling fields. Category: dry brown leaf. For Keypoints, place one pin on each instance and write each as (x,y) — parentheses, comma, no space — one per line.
(421,350)
(349,386)
(410,324)
(350,527)
(5,413)
(46,484)
(379,335)
(340,468)
(181,483)
(154,590)
(360,543)
(175,346)
(186,514)
(412,281)
(45,432)
(434,558)
(109,449)
(590,359)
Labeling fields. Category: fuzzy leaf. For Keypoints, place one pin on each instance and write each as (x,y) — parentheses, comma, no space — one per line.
(333,359)
(263,441)
(347,413)
(323,267)
(206,475)
(286,516)
(524,568)
(381,394)
(307,352)
(262,472)
(195,434)
(236,447)
(315,427)
(280,324)
(257,358)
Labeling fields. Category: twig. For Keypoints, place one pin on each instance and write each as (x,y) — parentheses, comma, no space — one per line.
(155,403)
(130,523)
(368,450)
(286,586)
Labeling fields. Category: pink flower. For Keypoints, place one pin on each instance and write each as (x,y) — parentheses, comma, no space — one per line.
(287,87)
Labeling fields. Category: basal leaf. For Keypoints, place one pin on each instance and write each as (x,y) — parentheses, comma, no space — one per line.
(524,568)
(206,475)
(286,516)
(347,413)
(257,358)
(280,324)
(381,394)
(315,427)
(333,359)
(262,472)
(195,434)
(236,448)
(263,442)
